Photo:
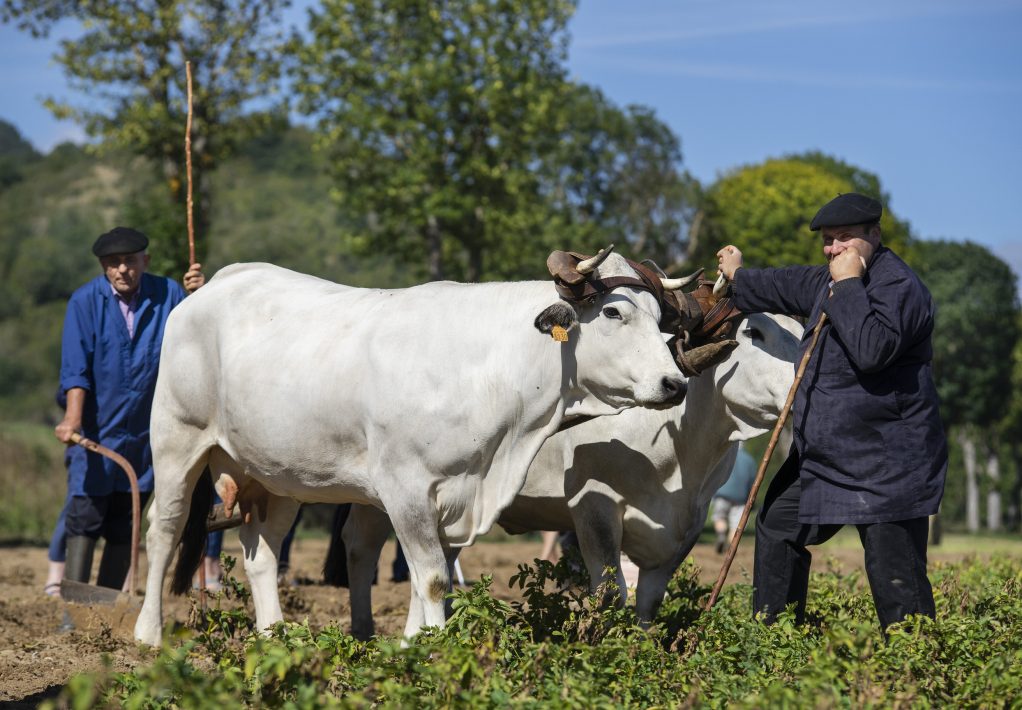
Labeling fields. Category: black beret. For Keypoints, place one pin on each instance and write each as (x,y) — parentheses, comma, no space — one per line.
(847,209)
(120,240)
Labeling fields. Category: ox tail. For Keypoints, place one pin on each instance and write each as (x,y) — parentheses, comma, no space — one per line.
(193,539)
(335,567)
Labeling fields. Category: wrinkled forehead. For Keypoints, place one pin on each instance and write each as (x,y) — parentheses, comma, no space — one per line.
(852,230)
(115,259)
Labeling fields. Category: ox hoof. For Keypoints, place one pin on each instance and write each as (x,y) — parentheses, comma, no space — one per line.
(148,635)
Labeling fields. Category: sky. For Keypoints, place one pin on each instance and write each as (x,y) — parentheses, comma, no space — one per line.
(927,94)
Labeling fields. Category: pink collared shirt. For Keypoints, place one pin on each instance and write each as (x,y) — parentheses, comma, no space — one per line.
(128,308)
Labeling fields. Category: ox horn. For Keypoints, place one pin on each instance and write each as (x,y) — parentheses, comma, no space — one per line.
(721,284)
(587,266)
(704,357)
(675,284)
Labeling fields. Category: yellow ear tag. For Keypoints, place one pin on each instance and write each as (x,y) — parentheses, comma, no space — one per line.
(559,334)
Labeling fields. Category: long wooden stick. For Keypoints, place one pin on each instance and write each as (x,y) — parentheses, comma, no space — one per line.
(760,474)
(136,507)
(191,256)
(188,166)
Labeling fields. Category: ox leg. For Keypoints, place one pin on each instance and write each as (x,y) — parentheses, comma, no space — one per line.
(260,543)
(649,592)
(416,610)
(167,516)
(598,526)
(427,564)
(364,534)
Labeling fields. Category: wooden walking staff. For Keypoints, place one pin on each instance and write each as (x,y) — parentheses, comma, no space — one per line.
(736,538)
(191,255)
(188,166)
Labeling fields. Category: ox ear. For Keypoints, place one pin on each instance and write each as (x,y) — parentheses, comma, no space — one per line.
(559,314)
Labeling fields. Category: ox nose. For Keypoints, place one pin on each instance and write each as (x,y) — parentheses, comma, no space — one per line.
(675,388)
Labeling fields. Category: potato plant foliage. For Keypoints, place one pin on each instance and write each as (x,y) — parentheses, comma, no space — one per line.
(560,647)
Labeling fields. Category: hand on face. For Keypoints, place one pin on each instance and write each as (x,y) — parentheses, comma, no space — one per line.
(729,260)
(848,250)
(848,264)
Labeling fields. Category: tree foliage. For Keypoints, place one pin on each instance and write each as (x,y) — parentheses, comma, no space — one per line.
(765,210)
(129,62)
(454,134)
(976,329)
(273,205)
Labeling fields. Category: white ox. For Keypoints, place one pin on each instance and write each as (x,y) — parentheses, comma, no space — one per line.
(428,402)
(640,482)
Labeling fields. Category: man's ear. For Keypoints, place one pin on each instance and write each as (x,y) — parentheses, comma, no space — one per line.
(560,313)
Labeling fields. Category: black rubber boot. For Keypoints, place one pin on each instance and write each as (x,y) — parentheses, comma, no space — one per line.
(80,549)
(113,567)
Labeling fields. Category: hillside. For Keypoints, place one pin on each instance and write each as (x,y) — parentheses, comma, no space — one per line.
(271,203)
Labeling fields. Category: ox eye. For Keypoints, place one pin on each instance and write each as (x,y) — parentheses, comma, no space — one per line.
(753,333)
(611,312)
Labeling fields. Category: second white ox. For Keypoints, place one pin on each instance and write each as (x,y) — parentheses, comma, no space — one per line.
(428,402)
(640,482)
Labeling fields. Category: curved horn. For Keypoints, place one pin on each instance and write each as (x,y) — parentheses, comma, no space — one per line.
(587,266)
(675,284)
(721,285)
(705,356)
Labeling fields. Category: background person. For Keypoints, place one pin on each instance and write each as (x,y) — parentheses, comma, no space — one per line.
(869,447)
(729,500)
(110,354)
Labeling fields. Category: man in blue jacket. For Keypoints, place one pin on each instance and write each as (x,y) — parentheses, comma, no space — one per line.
(869,448)
(110,354)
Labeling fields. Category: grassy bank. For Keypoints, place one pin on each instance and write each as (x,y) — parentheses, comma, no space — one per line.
(33,480)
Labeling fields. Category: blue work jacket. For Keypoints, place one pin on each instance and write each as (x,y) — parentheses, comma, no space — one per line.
(868,438)
(119,374)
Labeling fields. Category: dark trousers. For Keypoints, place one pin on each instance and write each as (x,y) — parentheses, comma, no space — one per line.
(102,516)
(895,557)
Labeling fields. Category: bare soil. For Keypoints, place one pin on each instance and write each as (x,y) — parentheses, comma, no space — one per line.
(38,656)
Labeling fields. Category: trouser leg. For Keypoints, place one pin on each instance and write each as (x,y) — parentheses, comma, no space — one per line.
(59,537)
(896,568)
(80,550)
(782,560)
(116,559)
(83,525)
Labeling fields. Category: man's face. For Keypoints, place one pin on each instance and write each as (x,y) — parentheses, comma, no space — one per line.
(860,236)
(124,271)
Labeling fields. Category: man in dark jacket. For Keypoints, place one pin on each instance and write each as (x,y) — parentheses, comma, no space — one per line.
(869,448)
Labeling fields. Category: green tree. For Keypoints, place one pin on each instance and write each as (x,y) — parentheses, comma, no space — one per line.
(976,332)
(15,153)
(615,176)
(452,131)
(130,63)
(765,210)
(1009,431)
(434,116)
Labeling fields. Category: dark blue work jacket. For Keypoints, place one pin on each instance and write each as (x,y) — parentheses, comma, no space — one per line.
(119,374)
(869,441)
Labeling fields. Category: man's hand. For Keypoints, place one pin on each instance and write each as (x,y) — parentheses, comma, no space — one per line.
(849,264)
(729,260)
(72,421)
(194,278)
(65,429)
